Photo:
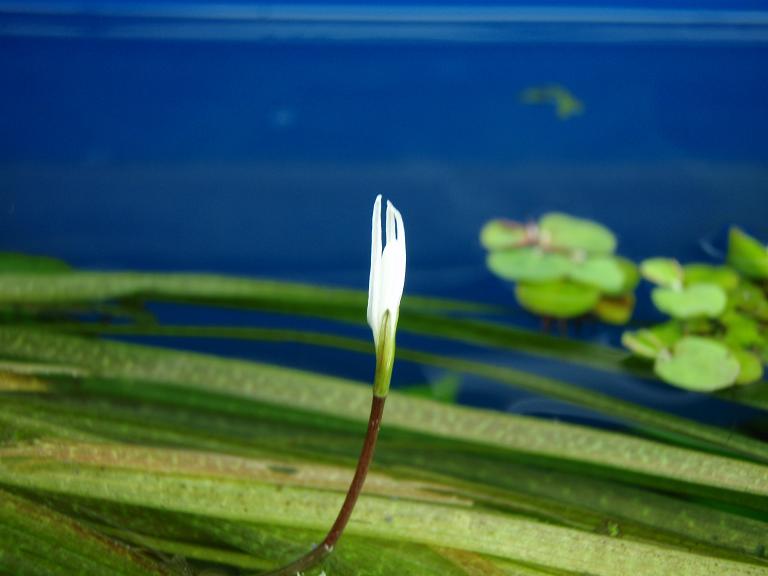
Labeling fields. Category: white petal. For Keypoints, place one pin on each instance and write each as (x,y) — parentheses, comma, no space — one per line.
(400,232)
(393,276)
(390,223)
(374,279)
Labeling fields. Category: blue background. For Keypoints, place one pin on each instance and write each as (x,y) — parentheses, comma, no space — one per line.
(193,136)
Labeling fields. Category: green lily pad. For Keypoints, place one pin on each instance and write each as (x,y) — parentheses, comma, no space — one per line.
(557,299)
(750,366)
(747,254)
(699,364)
(500,234)
(615,310)
(631,274)
(650,342)
(750,299)
(663,272)
(602,272)
(741,330)
(567,232)
(691,302)
(528,264)
(723,276)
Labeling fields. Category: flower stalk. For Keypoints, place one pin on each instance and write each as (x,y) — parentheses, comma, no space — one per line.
(385,289)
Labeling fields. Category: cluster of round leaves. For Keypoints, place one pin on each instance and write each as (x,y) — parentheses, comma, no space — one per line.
(563,267)
(718,332)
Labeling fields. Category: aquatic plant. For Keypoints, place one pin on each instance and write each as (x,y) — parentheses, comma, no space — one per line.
(142,458)
(385,289)
(564,267)
(717,336)
(565,104)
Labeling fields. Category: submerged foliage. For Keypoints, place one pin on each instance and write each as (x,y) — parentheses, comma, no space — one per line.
(126,458)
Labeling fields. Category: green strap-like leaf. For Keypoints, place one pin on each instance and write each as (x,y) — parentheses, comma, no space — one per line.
(37,540)
(435,524)
(649,420)
(326,395)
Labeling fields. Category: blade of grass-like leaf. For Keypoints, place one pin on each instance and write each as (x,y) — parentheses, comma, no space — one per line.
(755,394)
(640,460)
(32,535)
(428,523)
(186,550)
(565,498)
(418,313)
(83,287)
(269,545)
(651,421)
(196,463)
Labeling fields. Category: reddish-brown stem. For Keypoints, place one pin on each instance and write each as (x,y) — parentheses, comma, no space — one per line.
(315,555)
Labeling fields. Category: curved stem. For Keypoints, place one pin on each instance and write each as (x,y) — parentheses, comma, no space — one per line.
(317,554)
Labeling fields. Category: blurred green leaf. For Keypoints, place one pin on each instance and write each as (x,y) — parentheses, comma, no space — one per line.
(699,364)
(557,299)
(694,301)
(747,254)
(502,234)
(631,274)
(601,272)
(528,264)
(741,330)
(750,366)
(444,389)
(46,289)
(13,262)
(723,276)
(650,342)
(664,272)
(562,231)
(750,299)
(615,310)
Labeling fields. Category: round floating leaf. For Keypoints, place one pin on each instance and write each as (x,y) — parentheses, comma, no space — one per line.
(557,299)
(662,271)
(691,302)
(747,254)
(528,264)
(601,272)
(723,276)
(699,364)
(750,366)
(566,232)
(615,310)
(741,330)
(502,234)
(751,299)
(631,274)
(652,341)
